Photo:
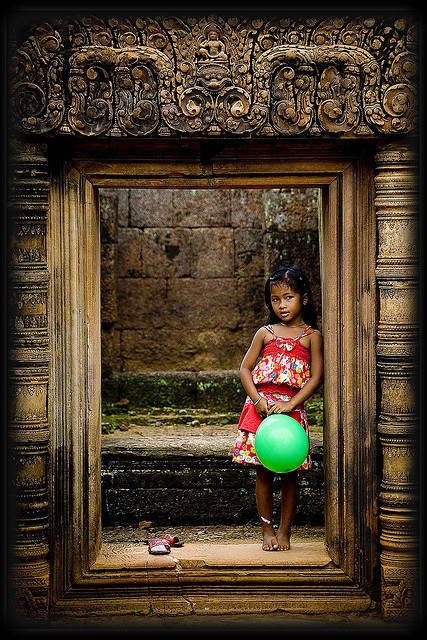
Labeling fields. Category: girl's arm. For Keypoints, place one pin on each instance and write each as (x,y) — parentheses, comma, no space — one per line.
(248,363)
(316,378)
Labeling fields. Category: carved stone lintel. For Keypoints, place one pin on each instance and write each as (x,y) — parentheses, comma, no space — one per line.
(215,75)
(397,271)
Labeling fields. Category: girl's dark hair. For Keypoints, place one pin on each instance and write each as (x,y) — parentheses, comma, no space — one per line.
(296,279)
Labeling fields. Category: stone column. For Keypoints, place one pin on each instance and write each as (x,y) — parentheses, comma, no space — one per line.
(28,353)
(398,355)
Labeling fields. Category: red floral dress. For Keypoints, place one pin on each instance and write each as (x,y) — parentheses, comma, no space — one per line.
(284,368)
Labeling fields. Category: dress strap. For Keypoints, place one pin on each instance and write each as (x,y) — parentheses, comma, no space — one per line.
(306,332)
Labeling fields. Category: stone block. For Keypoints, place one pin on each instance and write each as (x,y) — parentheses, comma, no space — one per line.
(220,390)
(216,350)
(151,208)
(116,356)
(201,207)
(249,252)
(208,303)
(108,282)
(154,349)
(247,207)
(291,209)
(199,258)
(167,252)
(189,336)
(171,506)
(140,303)
(223,391)
(196,489)
(108,207)
(250,302)
(107,347)
(150,389)
(123,207)
(129,253)
(213,253)
(153,474)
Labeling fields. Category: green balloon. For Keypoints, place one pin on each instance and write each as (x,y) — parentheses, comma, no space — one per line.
(281,443)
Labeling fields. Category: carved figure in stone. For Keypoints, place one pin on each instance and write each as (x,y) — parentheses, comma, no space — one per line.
(212,48)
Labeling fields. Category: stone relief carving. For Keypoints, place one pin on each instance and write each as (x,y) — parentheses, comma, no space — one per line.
(216,76)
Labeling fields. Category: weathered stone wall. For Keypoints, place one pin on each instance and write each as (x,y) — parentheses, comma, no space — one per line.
(183,271)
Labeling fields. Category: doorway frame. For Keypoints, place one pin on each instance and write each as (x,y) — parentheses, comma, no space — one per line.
(79,581)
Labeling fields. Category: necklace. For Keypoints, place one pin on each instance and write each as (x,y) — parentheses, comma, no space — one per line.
(293,326)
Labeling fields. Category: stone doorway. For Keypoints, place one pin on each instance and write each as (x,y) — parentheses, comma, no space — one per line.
(77,359)
(111,100)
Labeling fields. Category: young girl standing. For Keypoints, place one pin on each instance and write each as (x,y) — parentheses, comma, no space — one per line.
(289,371)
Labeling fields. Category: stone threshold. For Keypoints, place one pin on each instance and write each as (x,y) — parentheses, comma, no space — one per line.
(115,556)
(212,579)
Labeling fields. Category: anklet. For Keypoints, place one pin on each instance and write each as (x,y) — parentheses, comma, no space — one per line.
(265,520)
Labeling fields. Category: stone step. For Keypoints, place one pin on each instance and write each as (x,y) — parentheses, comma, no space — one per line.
(182,389)
(184,475)
(198,420)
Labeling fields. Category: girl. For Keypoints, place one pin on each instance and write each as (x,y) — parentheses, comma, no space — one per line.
(288,373)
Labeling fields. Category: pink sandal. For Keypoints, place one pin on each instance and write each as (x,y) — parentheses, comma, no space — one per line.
(158,546)
(163,545)
(173,540)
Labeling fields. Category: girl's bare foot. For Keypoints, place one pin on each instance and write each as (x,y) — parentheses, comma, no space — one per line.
(283,540)
(269,540)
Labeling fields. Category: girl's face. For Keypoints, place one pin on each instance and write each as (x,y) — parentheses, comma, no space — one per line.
(287,304)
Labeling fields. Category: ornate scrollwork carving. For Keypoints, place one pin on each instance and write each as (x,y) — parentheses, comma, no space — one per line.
(316,88)
(136,90)
(116,91)
(339,109)
(91,91)
(292,110)
(134,77)
(38,100)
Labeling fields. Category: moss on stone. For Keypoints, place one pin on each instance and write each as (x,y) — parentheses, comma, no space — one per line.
(219,390)
(210,391)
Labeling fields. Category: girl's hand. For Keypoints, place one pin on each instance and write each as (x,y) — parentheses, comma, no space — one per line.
(278,406)
(262,408)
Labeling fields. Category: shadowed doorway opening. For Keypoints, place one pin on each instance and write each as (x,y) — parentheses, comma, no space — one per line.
(182,281)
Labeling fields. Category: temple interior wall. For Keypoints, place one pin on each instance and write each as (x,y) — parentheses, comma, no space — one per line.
(183,271)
